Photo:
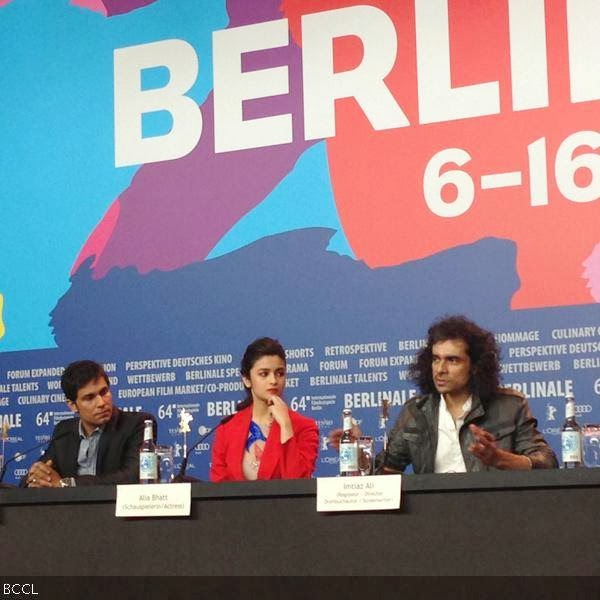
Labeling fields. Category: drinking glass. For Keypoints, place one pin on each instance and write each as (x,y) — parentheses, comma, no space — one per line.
(591,445)
(164,455)
(366,456)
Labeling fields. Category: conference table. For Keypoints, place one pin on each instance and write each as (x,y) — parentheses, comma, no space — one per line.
(544,522)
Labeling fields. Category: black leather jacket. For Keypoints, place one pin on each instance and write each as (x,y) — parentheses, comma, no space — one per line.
(414,437)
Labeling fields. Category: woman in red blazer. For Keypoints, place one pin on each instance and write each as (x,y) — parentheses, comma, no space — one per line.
(265,439)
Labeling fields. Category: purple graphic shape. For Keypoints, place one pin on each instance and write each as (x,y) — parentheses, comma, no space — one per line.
(119,7)
(174,212)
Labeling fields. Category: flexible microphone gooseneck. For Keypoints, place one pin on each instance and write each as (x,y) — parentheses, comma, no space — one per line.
(25,452)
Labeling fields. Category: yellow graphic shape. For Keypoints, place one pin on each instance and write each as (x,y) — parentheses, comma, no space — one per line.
(2,328)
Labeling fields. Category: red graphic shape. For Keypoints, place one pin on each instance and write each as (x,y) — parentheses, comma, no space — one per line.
(377,176)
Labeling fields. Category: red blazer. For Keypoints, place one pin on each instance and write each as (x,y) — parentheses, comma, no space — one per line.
(293,460)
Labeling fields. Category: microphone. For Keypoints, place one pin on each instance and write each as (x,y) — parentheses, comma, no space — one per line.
(181,477)
(26,452)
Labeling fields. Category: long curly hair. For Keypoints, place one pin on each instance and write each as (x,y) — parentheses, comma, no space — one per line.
(481,348)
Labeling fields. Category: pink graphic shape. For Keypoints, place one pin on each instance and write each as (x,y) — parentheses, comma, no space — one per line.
(94,5)
(592,272)
(108,8)
(100,236)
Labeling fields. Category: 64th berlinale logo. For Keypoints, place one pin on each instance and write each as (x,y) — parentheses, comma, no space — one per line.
(550,412)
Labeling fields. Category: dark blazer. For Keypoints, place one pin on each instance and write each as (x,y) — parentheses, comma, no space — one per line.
(118,449)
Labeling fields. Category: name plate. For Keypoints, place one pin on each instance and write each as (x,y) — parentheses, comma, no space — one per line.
(154,500)
(373,492)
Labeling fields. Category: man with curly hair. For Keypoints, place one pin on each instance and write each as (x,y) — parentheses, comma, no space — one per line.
(463,420)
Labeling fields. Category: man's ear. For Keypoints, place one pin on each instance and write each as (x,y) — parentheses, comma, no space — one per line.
(72,406)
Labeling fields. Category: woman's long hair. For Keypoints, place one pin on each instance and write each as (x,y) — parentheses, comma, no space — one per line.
(264,346)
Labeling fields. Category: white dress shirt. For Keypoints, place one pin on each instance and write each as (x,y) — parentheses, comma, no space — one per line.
(448,456)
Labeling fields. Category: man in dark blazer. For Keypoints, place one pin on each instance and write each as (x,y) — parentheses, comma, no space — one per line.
(100,445)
